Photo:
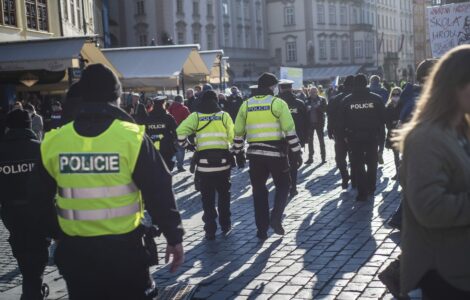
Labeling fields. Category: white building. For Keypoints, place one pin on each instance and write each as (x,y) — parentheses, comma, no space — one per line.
(81,17)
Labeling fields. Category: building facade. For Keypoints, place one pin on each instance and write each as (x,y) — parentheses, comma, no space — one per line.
(236,26)
(81,17)
(29,19)
(373,34)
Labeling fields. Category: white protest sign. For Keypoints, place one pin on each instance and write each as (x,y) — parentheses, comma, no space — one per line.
(449,26)
(294,74)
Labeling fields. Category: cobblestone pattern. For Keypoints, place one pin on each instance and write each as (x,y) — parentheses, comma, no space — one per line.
(334,247)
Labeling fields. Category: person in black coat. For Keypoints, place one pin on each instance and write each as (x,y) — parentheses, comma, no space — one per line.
(300,116)
(19,152)
(161,128)
(316,109)
(362,123)
(234,101)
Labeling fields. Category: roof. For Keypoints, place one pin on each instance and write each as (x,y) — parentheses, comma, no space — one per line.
(212,59)
(156,66)
(324,73)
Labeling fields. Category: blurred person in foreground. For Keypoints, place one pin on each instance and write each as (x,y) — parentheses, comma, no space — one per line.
(435,175)
(392,116)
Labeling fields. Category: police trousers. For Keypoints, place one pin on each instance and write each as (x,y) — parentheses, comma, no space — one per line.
(364,153)
(260,169)
(109,267)
(341,154)
(210,184)
(29,247)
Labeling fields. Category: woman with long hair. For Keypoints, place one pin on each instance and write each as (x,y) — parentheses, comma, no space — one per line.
(392,117)
(435,176)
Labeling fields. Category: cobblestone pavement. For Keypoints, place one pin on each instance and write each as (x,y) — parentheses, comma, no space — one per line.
(334,247)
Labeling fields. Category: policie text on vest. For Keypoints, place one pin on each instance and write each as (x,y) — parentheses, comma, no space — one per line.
(362,106)
(89,163)
(16,168)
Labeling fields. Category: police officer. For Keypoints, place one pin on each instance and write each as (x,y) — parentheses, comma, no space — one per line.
(19,152)
(161,128)
(362,123)
(341,148)
(300,116)
(270,131)
(214,135)
(103,171)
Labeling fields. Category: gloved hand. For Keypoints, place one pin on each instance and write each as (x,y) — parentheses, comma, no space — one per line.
(297,159)
(241,159)
(191,147)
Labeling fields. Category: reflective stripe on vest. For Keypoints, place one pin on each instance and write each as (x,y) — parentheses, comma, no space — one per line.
(261,124)
(214,134)
(99,214)
(96,194)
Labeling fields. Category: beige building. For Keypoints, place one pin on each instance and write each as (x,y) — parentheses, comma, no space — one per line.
(81,17)
(29,19)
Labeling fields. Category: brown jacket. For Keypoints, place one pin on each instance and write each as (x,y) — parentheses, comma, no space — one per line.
(435,176)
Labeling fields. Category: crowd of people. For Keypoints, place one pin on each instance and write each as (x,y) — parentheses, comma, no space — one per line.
(110,157)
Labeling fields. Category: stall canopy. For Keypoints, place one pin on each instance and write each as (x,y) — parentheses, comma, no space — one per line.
(214,60)
(48,59)
(326,73)
(157,66)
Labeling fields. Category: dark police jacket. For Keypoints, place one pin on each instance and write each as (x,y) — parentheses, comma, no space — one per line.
(161,126)
(150,175)
(19,152)
(333,111)
(299,114)
(362,117)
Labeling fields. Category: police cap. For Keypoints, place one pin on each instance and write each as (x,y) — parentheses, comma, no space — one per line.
(267,80)
(286,83)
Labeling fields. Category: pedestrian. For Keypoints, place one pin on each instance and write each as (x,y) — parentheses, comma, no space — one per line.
(180,112)
(362,123)
(19,152)
(392,116)
(316,108)
(376,87)
(435,176)
(214,135)
(137,109)
(37,124)
(190,100)
(96,175)
(222,101)
(161,129)
(301,121)
(55,119)
(17,105)
(234,100)
(270,131)
(334,132)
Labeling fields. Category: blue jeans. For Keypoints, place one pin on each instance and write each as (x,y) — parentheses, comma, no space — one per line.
(179,156)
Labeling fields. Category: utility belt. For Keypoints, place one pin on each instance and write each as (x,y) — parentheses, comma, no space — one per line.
(269,149)
(209,161)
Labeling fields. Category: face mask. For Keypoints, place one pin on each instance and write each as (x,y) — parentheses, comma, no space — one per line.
(395,98)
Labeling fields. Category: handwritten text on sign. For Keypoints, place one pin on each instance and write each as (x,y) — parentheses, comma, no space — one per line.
(449,26)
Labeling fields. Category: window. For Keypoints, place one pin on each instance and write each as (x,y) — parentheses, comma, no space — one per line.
(334,48)
(140,8)
(143,39)
(227,36)
(179,6)
(321,13)
(240,36)
(332,14)
(65,9)
(358,49)
(79,15)
(8,12)
(322,46)
(278,55)
(196,37)
(181,37)
(343,15)
(345,49)
(225,9)
(72,12)
(289,17)
(246,8)
(258,11)
(210,12)
(247,38)
(369,48)
(210,40)
(259,38)
(195,8)
(291,51)
(36,15)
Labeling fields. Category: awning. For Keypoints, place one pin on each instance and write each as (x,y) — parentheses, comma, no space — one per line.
(48,60)
(214,61)
(157,66)
(326,73)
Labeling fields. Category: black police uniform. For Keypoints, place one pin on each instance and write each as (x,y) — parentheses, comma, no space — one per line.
(100,267)
(19,152)
(362,122)
(341,147)
(300,116)
(161,127)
